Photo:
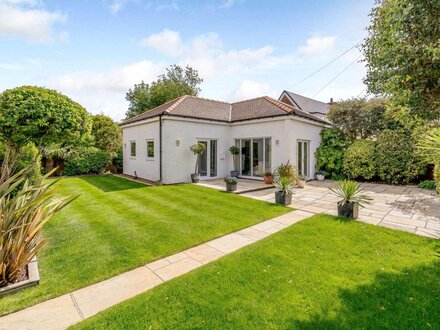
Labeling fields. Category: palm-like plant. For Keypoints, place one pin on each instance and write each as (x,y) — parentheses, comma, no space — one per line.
(350,192)
(430,145)
(286,170)
(284,185)
(23,213)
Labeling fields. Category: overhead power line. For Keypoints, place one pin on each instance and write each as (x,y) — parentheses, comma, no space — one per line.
(326,65)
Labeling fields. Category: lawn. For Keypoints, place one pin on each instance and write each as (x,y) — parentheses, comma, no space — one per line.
(321,273)
(117,225)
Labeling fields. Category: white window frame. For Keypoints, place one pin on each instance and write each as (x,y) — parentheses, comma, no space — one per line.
(135,149)
(146,149)
(308,160)
(264,155)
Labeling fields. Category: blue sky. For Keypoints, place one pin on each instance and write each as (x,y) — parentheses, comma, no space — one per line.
(94,51)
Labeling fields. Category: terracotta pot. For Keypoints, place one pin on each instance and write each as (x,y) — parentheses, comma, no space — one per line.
(268,179)
(301,183)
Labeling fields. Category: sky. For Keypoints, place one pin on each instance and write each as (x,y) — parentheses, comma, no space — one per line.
(95,50)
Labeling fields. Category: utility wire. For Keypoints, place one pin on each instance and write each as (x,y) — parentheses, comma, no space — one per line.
(323,67)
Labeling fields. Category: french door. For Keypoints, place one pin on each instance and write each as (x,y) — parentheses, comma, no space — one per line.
(255,156)
(208,159)
(303,157)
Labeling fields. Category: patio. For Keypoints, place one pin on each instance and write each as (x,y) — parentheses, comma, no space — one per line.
(405,208)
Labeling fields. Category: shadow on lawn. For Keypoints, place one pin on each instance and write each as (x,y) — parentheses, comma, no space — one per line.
(407,300)
(110,183)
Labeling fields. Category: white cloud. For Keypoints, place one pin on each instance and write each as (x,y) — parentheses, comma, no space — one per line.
(166,42)
(22,19)
(249,89)
(317,46)
(20,65)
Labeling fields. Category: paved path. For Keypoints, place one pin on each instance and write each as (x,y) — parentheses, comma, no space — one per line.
(405,208)
(64,311)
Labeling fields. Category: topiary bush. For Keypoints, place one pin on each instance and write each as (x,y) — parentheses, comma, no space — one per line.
(397,159)
(359,160)
(87,161)
(330,153)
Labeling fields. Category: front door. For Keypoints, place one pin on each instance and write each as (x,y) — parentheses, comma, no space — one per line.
(303,158)
(208,159)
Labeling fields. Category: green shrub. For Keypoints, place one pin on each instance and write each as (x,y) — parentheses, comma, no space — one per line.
(359,160)
(397,159)
(427,184)
(118,160)
(437,176)
(330,153)
(87,161)
(26,159)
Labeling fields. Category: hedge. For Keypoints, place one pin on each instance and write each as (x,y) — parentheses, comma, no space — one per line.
(87,161)
(359,160)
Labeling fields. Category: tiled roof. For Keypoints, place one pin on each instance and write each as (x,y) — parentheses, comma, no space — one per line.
(309,105)
(199,108)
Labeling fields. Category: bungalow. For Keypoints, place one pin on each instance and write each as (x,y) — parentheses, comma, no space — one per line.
(268,132)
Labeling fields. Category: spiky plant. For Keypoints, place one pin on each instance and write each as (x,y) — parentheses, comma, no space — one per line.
(284,184)
(350,192)
(286,170)
(24,209)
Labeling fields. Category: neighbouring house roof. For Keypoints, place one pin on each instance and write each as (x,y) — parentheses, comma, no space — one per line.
(200,108)
(305,103)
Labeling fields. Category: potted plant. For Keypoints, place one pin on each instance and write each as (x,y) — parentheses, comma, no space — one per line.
(197,149)
(235,151)
(268,177)
(286,170)
(320,175)
(301,183)
(231,183)
(284,192)
(352,197)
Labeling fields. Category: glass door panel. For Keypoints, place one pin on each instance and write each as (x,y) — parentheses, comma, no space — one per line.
(203,160)
(246,157)
(213,158)
(267,154)
(303,160)
(257,157)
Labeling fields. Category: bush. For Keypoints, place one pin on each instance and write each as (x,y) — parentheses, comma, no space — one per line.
(427,184)
(359,160)
(330,153)
(118,161)
(87,161)
(397,160)
(437,177)
(29,157)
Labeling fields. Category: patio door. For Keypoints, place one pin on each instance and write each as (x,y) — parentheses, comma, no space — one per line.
(255,156)
(208,159)
(303,157)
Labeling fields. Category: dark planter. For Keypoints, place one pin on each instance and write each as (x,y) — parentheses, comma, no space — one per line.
(195,177)
(283,199)
(349,210)
(234,174)
(231,186)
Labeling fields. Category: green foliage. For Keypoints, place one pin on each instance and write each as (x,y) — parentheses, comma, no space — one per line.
(286,170)
(429,144)
(41,116)
(176,82)
(106,133)
(23,215)
(359,160)
(118,160)
(437,176)
(231,180)
(284,184)
(198,148)
(427,184)
(397,159)
(234,150)
(28,159)
(402,52)
(330,153)
(87,161)
(350,192)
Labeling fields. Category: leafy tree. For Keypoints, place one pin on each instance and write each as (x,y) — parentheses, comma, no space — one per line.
(40,116)
(106,133)
(359,118)
(177,81)
(402,51)
(330,153)
(359,160)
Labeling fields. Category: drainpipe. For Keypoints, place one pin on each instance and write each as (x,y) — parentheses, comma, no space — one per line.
(160,147)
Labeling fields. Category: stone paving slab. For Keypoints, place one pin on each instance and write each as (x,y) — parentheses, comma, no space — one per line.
(64,311)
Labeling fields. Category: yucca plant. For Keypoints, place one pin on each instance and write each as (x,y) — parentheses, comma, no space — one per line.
(286,170)
(24,209)
(284,185)
(350,192)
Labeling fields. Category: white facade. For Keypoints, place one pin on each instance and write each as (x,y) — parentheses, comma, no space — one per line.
(283,136)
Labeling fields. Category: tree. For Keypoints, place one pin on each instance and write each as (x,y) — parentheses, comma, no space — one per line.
(40,116)
(359,118)
(402,51)
(106,133)
(176,82)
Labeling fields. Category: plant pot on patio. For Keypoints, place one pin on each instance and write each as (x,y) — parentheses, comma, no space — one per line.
(268,178)
(348,210)
(320,175)
(231,183)
(283,198)
(195,177)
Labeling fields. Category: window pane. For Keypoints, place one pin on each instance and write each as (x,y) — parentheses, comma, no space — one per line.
(267,154)
(257,157)
(133,149)
(150,149)
(300,157)
(213,158)
(306,159)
